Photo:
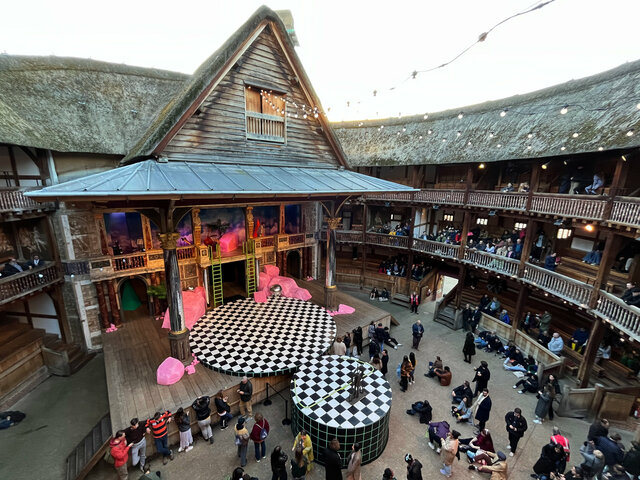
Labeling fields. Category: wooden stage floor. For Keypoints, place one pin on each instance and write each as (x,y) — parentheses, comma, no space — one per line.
(132,355)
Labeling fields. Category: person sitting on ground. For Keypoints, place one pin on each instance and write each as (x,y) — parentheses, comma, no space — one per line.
(631,296)
(389,340)
(460,392)
(579,339)
(513,358)
(384,295)
(551,456)
(593,462)
(374,294)
(444,376)
(436,364)
(482,340)
(482,442)
(463,411)
(423,409)
(504,317)
(493,463)
(529,383)
(437,432)
(556,344)
(494,344)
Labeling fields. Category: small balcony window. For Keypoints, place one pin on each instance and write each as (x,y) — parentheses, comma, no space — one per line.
(482,221)
(520,226)
(265,112)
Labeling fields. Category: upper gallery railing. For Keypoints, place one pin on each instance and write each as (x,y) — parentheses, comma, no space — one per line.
(436,248)
(503,200)
(14,201)
(23,283)
(621,315)
(387,240)
(626,210)
(497,263)
(564,287)
(589,207)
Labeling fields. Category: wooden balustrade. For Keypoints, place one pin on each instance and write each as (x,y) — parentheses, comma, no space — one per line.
(391,196)
(184,253)
(14,201)
(129,262)
(261,126)
(626,210)
(436,248)
(387,240)
(501,200)
(348,236)
(497,263)
(265,242)
(571,206)
(622,316)
(296,239)
(564,287)
(447,197)
(23,283)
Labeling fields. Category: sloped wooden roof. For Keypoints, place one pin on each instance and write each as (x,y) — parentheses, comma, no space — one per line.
(601,110)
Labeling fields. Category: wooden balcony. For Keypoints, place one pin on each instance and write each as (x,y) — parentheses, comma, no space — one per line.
(499,200)
(626,211)
(391,196)
(437,197)
(28,282)
(566,288)
(586,207)
(185,253)
(440,249)
(625,317)
(15,203)
(386,240)
(496,263)
(129,262)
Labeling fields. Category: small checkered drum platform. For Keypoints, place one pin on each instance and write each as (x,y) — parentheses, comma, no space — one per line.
(262,339)
(321,406)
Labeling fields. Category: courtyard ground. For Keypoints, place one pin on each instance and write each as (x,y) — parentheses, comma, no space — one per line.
(62,410)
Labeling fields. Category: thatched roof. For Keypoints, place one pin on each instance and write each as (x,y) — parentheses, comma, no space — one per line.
(78,105)
(601,109)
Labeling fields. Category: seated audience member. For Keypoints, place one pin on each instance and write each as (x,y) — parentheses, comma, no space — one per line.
(436,364)
(593,257)
(482,442)
(598,183)
(551,457)
(437,432)
(484,302)
(462,412)
(551,261)
(493,307)
(35,262)
(384,295)
(514,359)
(527,365)
(508,188)
(529,383)
(423,409)
(482,340)
(374,294)
(389,340)
(495,344)
(12,267)
(556,344)
(529,322)
(493,463)
(523,187)
(631,296)
(444,375)
(579,339)
(543,338)
(461,392)
(504,317)
(603,353)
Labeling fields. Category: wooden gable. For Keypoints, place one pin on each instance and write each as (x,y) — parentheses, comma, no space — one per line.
(218,130)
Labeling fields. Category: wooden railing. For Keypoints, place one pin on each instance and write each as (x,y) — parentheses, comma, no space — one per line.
(184,253)
(391,196)
(129,262)
(564,287)
(502,200)
(497,263)
(265,242)
(296,239)
(587,207)
(626,210)
(387,240)
(436,248)
(348,236)
(23,283)
(14,201)
(261,126)
(433,195)
(623,316)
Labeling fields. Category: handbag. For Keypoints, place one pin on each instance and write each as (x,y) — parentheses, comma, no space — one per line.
(108,458)
(238,441)
(263,433)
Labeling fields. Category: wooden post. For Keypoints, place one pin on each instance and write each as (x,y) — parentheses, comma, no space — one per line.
(330,288)
(102,305)
(179,334)
(533,185)
(468,185)
(61,313)
(523,296)
(249,223)
(529,238)
(460,286)
(282,218)
(617,182)
(466,225)
(113,301)
(363,270)
(589,355)
(611,247)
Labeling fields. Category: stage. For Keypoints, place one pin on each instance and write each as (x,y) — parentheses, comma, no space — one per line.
(133,353)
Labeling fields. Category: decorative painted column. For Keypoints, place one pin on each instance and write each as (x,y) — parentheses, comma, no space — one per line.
(102,305)
(249,223)
(113,301)
(330,288)
(197,226)
(179,334)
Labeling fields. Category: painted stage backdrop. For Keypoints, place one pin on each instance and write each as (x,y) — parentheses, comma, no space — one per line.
(292,219)
(224,226)
(265,221)
(124,232)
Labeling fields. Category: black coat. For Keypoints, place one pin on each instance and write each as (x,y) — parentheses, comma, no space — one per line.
(469,347)
(332,464)
(482,379)
(414,471)
(385,364)
(597,430)
(520,424)
(484,410)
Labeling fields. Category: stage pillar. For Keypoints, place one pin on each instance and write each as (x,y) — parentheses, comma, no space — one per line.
(330,288)
(179,334)
(102,305)
(113,301)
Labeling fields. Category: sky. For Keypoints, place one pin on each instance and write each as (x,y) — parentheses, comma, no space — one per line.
(350,48)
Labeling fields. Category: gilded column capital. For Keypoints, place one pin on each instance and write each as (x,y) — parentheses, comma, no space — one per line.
(169,241)
(333,222)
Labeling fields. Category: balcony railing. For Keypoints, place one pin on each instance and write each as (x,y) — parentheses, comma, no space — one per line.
(433,195)
(497,263)
(14,201)
(502,200)
(570,206)
(129,262)
(623,316)
(261,126)
(436,248)
(626,210)
(184,253)
(391,196)
(564,287)
(387,240)
(296,239)
(21,284)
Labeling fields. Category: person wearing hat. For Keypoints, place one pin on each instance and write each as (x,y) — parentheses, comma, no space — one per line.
(242,440)
(414,468)
(631,462)
(498,469)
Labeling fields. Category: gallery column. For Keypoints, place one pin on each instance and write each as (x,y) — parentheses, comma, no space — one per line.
(179,334)
(330,288)
(102,305)
(113,302)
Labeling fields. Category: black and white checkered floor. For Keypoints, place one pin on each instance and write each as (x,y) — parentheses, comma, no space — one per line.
(262,339)
(320,391)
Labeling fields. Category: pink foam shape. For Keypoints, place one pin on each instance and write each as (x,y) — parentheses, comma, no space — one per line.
(169,371)
(229,242)
(194,305)
(263,281)
(260,296)
(271,270)
(302,294)
(345,309)
(190,370)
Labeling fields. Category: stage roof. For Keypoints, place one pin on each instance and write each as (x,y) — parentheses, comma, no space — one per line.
(177,180)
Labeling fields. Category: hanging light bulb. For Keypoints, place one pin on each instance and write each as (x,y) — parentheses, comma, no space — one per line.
(315,115)
(381,126)
(460,115)
(481,166)
(444,140)
(491,135)
(420,137)
(563,148)
(600,149)
(564,110)
(304,116)
(458,133)
(429,132)
(630,133)
(528,147)
(404,129)
(638,106)
(530,135)
(503,113)
(575,135)
(427,116)
(469,144)
(499,145)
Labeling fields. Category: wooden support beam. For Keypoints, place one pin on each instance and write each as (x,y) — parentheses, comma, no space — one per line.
(466,225)
(529,239)
(534,183)
(102,305)
(523,296)
(468,184)
(611,247)
(113,302)
(589,355)
(61,312)
(617,183)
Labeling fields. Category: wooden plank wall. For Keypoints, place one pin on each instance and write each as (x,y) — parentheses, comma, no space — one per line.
(219,130)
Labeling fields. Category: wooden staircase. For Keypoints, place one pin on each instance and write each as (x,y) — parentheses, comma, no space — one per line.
(402,300)
(63,359)
(447,316)
(90,450)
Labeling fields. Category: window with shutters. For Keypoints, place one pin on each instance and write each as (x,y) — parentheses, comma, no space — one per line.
(265,111)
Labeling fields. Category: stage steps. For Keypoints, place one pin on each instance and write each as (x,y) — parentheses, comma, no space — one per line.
(447,316)
(63,359)
(90,450)
(402,300)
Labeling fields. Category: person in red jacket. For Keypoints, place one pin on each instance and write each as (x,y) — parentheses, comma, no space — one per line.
(415,301)
(120,454)
(259,434)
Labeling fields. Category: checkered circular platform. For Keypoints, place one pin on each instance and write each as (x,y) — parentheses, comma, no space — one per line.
(321,406)
(262,339)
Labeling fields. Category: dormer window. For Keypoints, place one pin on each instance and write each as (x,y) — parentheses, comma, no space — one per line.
(265,111)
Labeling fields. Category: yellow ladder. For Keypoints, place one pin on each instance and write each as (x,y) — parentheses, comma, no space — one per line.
(216,275)
(249,250)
